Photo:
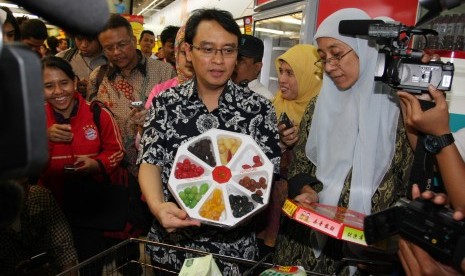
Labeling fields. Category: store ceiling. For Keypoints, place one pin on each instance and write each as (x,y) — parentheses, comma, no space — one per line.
(17,11)
(140,7)
(149,7)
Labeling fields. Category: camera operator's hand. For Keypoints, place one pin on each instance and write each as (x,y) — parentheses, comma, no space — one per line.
(414,259)
(307,196)
(434,121)
(426,58)
(60,133)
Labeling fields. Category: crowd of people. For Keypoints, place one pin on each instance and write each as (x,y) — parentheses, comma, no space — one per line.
(346,142)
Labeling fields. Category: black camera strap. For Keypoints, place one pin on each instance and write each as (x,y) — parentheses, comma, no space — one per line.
(422,172)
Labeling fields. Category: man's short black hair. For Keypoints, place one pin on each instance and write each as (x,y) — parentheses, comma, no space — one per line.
(224,18)
(117,21)
(168,34)
(145,32)
(34,28)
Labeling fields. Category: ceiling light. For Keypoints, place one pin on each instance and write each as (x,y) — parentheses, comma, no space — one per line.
(9,5)
(291,20)
(25,14)
(271,31)
(147,7)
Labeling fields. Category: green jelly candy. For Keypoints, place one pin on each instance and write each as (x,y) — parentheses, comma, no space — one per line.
(182,195)
(194,190)
(203,188)
(198,197)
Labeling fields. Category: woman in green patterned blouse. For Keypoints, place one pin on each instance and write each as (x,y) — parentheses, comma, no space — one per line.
(352,139)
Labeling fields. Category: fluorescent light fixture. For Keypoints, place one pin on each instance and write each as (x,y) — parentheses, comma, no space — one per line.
(271,31)
(291,20)
(9,5)
(148,7)
(25,14)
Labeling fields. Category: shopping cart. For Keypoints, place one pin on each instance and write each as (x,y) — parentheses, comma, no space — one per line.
(124,259)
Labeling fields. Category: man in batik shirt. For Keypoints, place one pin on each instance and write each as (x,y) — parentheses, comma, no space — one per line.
(209,100)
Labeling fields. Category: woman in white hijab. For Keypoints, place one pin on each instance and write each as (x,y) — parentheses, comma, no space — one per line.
(352,140)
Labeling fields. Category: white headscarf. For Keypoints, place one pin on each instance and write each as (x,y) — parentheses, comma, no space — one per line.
(352,129)
(3,15)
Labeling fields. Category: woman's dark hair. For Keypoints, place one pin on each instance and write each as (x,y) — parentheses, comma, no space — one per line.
(10,18)
(52,43)
(224,18)
(58,63)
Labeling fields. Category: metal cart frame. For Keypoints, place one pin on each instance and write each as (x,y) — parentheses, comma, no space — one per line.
(121,260)
(117,260)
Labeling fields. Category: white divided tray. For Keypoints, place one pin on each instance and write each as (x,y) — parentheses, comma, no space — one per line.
(233,167)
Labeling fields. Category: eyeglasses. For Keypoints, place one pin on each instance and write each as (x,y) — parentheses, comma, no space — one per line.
(227,52)
(334,60)
(120,46)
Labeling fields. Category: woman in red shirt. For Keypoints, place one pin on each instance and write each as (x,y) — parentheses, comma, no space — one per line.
(75,142)
(77,145)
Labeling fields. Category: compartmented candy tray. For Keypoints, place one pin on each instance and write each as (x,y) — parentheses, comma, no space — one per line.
(221,178)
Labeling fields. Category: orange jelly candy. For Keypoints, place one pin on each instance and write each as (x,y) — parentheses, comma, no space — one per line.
(213,207)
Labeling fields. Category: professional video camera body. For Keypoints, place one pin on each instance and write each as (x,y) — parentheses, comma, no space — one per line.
(398,65)
(23,139)
(426,224)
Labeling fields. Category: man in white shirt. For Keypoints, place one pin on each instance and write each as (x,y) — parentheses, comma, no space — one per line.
(249,65)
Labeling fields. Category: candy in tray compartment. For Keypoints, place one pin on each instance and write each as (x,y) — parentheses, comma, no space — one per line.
(227,147)
(256,162)
(191,195)
(185,168)
(213,207)
(240,205)
(203,149)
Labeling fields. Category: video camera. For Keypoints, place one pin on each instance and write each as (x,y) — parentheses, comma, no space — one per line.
(23,139)
(424,223)
(398,65)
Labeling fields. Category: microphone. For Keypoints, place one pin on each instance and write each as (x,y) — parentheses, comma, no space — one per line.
(87,17)
(379,29)
(357,27)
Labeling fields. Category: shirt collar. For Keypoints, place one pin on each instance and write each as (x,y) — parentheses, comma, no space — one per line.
(141,66)
(60,119)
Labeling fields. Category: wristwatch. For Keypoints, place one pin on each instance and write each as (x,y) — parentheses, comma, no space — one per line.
(434,144)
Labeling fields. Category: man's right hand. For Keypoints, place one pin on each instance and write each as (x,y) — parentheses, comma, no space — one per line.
(60,133)
(171,217)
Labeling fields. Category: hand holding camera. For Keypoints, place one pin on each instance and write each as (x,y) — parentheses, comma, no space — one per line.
(83,165)
(60,133)
(138,112)
(417,261)
(288,133)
